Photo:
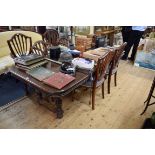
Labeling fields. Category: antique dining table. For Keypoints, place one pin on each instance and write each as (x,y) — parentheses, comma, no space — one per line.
(81,77)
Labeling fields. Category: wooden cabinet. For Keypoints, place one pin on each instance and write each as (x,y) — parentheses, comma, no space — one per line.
(28,28)
(4,28)
(107,31)
(14,28)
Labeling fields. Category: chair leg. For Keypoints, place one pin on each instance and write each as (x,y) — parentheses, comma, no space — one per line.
(90,96)
(93,98)
(109,81)
(103,90)
(39,97)
(115,78)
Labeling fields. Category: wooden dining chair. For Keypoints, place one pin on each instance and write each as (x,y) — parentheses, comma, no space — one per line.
(40,48)
(19,44)
(99,76)
(118,53)
(51,37)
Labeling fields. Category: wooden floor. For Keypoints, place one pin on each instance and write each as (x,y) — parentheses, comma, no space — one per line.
(120,109)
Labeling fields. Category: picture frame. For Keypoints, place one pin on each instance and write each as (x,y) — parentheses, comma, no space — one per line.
(82,30)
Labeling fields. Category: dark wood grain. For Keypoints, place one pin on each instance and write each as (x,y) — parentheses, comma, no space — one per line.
(80,78)
(51,37)
(64,42)
(40,48)
(115,62)
(19,44)
(99,75)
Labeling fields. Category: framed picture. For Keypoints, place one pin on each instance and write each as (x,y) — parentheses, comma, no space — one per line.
(82,30)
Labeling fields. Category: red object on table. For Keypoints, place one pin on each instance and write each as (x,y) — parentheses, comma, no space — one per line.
(59,80)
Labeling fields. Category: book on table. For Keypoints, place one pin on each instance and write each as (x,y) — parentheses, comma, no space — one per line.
(32,66)
(40,73)
(28,59)
(59,80)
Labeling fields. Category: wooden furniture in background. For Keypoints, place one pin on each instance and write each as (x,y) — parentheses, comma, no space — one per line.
(106,31)
(19,44)
(23,28)
(93,36)
(28,28)
(64,42)
(51,37)
(110,36)
(4,28)
(41,29)
(40,48)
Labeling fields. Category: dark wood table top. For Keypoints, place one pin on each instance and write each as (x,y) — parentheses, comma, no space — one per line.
(80,78)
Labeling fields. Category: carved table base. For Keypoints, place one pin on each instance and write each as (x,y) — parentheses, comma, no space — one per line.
(59,111)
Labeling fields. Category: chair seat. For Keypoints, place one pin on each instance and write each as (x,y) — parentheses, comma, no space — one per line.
(89,83)
(113,71)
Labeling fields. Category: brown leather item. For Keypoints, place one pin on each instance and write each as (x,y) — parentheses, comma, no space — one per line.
(59,80)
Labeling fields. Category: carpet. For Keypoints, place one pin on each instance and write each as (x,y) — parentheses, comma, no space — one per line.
(145,60)
(10,89)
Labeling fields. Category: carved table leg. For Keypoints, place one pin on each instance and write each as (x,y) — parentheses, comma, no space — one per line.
(59,111)
(39,97)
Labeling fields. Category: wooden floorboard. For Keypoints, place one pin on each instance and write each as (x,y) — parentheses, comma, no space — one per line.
(120,109)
